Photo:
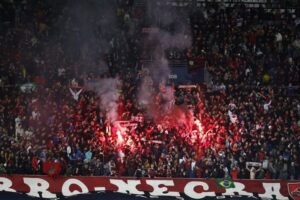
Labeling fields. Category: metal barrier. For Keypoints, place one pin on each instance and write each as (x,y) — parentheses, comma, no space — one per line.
(278,4)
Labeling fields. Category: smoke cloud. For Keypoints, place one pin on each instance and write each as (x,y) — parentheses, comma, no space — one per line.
(80,36)
(108,91)
(171,31)
(89,28)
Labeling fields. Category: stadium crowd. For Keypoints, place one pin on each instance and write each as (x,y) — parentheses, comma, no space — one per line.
(246,118)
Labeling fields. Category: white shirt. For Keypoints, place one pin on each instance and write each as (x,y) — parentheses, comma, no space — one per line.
(28,132)
(61,71)
(266,106)
(18,122)
(278,37)
(193,165)
(35,115)
(69,150)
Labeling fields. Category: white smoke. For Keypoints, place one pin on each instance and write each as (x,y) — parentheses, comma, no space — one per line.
(107,90)
(171,29)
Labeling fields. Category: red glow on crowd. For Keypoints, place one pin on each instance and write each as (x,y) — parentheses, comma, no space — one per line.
(199,131)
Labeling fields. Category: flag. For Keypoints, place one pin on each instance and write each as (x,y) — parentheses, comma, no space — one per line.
(294,190)
(224,183)
(51,168)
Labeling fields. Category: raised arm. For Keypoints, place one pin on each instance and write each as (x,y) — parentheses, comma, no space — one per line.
(78,93)
(72,92)
(247,167)
(258,169)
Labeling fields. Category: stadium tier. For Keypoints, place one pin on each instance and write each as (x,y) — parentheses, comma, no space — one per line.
(202,95)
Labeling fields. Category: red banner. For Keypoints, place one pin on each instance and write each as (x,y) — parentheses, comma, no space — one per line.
(192,188)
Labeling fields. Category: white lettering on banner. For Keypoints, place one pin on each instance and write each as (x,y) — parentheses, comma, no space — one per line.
(5,185)
(189,190)
(239,188)
(98,189)
(272,189)
(66,187)
(162,191)
(124,187)
(37,185)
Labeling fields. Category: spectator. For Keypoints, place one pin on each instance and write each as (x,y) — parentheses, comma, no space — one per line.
(253,171)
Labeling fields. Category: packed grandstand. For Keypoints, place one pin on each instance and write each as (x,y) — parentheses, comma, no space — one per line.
(135,88)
